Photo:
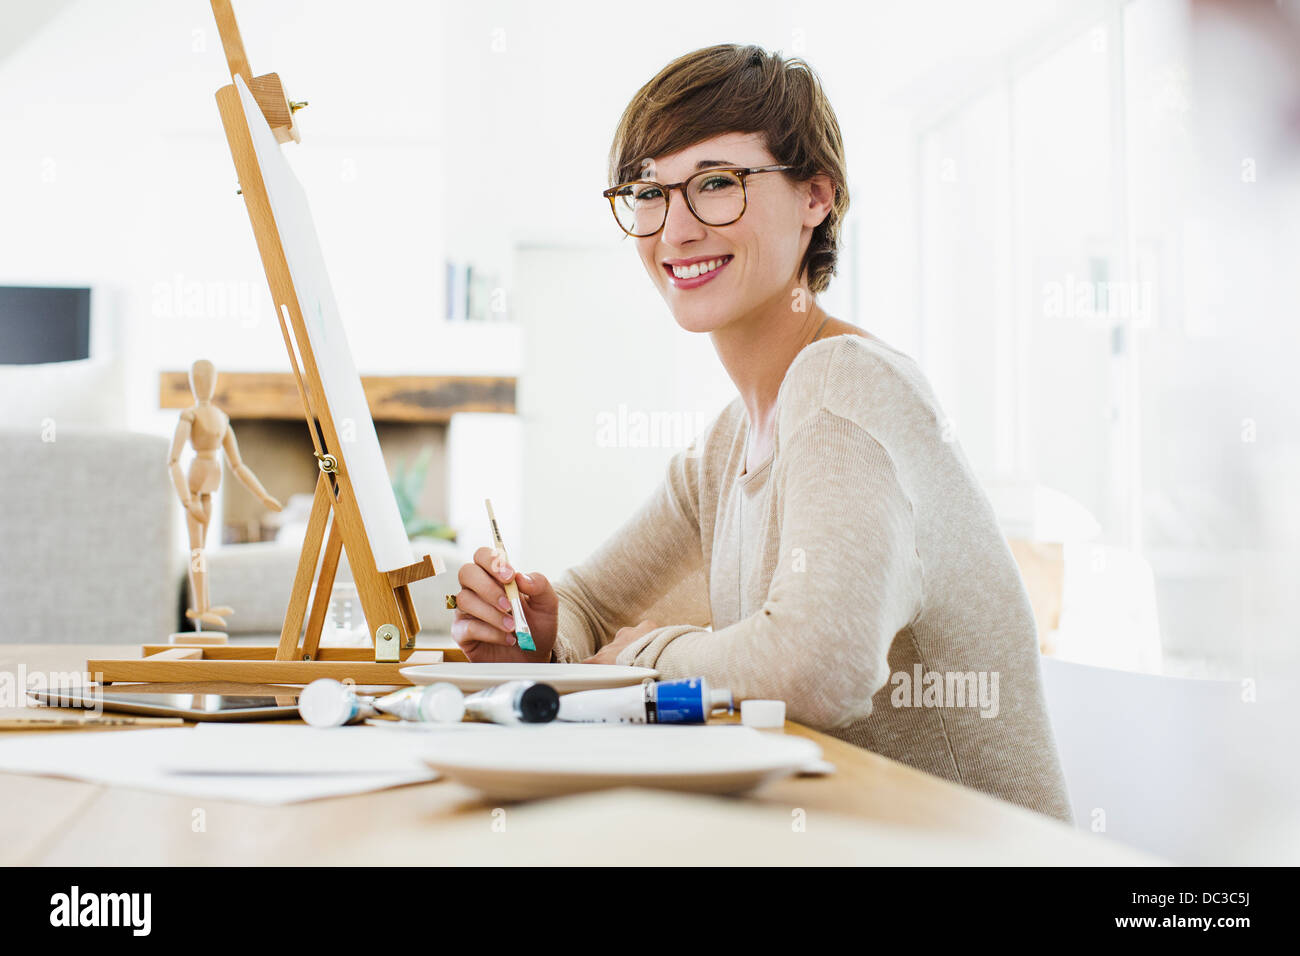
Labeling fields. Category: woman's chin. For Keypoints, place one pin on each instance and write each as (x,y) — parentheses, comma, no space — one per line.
(693,320)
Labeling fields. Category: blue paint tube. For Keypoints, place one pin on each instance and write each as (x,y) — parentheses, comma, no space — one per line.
(688,701)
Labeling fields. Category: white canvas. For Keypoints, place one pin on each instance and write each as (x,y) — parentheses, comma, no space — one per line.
(329,344)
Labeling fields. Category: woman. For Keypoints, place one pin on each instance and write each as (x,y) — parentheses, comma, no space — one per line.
(849,562)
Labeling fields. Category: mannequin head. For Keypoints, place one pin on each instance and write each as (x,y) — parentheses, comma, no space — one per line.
(203,380)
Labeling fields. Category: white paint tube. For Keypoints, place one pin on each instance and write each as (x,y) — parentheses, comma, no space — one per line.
(327,703)
(514,702)
(687,701)
(440,703)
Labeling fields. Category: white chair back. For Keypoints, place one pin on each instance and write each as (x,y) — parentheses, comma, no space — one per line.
(1193,771)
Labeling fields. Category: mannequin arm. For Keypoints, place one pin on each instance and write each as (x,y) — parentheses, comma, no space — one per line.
(244,473)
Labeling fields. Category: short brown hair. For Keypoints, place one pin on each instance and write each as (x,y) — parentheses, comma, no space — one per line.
(730,88)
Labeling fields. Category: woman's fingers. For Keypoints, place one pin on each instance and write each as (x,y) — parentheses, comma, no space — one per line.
(537,591)
(475,606)
(475,578)
(532,583)
(493,562)
(466,629)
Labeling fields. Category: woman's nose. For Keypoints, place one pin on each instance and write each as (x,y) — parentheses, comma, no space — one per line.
(681,226)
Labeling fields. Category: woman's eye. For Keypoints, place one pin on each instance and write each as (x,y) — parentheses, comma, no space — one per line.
(647,195)
(718,182)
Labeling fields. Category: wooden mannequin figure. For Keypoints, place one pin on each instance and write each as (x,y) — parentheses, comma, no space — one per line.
(207,428)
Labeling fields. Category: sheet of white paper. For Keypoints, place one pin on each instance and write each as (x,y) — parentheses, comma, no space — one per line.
(293,749)
(140,759)
(422,727)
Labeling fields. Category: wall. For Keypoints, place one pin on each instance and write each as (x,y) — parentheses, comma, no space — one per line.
(434,129)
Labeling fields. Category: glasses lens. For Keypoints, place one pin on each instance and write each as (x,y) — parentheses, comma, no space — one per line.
(717,197)
(640,208)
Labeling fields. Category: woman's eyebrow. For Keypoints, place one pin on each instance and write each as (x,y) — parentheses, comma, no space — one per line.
(648,169)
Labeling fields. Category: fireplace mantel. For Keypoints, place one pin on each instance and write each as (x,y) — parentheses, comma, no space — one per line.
(422,399)
(411,414)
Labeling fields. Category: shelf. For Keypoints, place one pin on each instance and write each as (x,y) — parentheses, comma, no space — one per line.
(392,398)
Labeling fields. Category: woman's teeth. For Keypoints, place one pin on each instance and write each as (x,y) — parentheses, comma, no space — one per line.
(698,268)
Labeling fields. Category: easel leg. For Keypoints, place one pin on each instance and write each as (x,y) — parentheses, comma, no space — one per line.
(320,511)
(324,585)
(410,619)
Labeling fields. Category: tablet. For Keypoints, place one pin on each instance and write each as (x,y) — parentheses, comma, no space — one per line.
(190,706)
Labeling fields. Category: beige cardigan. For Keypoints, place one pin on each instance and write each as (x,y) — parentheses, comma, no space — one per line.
(859,575)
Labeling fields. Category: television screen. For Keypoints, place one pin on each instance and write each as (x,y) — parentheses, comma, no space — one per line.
(43,324)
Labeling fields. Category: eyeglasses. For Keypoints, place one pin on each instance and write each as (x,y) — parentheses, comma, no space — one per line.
(715,196)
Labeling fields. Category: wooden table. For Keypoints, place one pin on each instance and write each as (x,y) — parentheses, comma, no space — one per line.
(871,810)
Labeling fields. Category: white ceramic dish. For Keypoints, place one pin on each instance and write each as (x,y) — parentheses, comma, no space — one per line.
(521,763)
(563,677)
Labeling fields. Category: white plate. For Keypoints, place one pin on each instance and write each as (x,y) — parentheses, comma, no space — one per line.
(520,763)
(563,677)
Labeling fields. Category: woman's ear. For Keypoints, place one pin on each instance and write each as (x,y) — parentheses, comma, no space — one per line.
(820,198)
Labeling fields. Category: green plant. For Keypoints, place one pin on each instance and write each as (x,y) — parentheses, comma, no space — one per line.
(408,482)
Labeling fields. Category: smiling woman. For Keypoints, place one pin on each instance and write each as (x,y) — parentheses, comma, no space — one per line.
(745,89)
(852,565)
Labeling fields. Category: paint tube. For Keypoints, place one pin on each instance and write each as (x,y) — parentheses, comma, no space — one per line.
(327,703)
(514,702)
(440,703)
(687,701)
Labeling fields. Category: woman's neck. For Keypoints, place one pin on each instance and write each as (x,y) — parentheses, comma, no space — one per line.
(756,350)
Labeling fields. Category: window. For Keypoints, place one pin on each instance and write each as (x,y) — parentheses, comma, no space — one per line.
(1078,325)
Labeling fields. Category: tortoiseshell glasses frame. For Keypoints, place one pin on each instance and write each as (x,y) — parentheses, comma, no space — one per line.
(624,190)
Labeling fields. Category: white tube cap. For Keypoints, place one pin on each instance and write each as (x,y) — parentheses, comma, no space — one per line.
(326,703)
(762,713)
(442,703)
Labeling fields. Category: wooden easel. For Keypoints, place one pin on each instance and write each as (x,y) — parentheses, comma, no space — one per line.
(385,595)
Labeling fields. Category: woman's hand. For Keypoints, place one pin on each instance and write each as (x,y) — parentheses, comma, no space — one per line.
(483,626)
(625,636)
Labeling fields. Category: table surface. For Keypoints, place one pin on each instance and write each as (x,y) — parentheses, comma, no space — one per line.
(871,810)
